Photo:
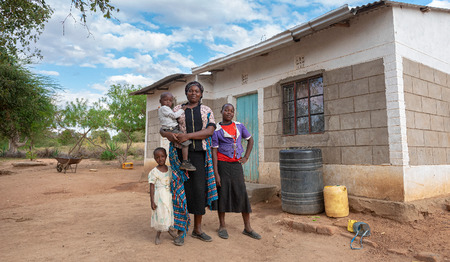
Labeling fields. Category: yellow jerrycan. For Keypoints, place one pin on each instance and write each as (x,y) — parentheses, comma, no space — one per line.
(336,201)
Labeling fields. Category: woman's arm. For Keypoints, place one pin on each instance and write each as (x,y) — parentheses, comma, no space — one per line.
(199,135)
(247,151)
(216,169)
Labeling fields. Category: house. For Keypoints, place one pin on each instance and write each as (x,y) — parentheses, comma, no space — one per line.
(369,86)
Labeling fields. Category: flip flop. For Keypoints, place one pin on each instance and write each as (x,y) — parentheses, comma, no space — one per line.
(203,236)
(223,234)
(252,234)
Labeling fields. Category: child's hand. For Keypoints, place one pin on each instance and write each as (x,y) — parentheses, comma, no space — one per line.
(154,206)
(183,107)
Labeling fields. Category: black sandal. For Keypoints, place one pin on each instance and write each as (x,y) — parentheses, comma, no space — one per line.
(223,234)
(252,234)
(203,236)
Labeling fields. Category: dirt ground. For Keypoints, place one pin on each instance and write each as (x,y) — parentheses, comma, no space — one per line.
(105,216)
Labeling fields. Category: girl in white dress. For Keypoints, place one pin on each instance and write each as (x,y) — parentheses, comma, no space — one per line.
(160,178)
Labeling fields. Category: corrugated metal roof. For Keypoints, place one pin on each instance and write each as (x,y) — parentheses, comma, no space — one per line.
(327,20)
(159,85)
(377,4)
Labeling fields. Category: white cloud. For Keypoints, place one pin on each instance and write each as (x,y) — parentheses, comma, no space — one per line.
(137,80)
(88,65)
(67,96)
(195,13)
(440,4)
(49,73)
(100,87)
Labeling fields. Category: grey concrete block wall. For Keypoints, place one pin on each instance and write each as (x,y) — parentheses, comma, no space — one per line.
(355,118)
(427,102)
(153,137)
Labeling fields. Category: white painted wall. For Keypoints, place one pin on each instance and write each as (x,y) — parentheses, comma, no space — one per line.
(424,38)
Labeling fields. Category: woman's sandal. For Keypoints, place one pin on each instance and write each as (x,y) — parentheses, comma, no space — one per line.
(252,234)
(223,233)
(203,236)
(178,241)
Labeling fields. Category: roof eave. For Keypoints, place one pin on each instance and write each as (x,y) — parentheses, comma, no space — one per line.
(160,85)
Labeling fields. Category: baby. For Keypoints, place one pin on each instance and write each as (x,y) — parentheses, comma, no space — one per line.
(168,120)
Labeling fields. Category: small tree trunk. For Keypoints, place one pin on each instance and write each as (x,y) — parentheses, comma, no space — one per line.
(14,143)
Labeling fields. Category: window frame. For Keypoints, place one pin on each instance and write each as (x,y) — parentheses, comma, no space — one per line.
(295,84)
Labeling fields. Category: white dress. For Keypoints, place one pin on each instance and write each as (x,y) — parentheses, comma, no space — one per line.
(162,217)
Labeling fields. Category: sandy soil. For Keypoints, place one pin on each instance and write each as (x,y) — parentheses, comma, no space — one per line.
(105,216)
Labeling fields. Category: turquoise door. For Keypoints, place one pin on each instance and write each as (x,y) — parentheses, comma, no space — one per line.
(247,114)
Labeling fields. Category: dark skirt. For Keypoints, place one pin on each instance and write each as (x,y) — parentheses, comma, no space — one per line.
(232,192)
(195,186)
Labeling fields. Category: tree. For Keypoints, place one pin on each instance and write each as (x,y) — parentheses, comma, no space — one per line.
(101,135)
(68,137)
(79,115)
(127,113)
(23,21)
(26,102)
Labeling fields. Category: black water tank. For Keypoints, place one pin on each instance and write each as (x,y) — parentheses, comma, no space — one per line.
(301,181)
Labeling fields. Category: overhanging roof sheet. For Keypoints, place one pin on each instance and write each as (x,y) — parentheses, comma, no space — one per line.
(160,85)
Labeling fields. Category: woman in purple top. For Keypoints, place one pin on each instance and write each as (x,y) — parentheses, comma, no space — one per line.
(227,159)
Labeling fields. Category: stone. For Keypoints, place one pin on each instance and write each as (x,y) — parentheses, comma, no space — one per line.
(310,228)
(29,163)
(326,230)
(427,256)
(403,252)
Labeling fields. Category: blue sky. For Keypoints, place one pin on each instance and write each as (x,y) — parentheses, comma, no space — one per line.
(149,40)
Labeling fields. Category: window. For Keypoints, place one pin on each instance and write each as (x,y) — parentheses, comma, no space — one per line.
(303,106)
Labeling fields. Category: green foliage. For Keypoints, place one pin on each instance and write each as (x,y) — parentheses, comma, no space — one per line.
(79,114)
(3,150)
(138,136)
(31,155)
(107,155)
(68,137)
(23,21)
(46,138)
(112,151)
(101,135)
(26,101)
(128,112)
(91,5)
(55,152)
(120,137)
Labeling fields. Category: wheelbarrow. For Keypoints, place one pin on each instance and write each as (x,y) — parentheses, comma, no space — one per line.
(65,163)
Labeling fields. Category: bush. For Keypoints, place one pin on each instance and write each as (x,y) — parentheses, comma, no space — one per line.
(101,135)
(107,155)
(3,150)
(67,137)
(31,155)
